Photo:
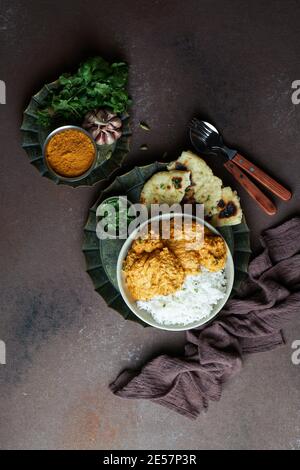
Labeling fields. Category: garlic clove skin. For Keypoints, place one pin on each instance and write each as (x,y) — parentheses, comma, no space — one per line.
(101,138)
(103,125)
(110,138)
(94,132)
(117,134)
(116,122)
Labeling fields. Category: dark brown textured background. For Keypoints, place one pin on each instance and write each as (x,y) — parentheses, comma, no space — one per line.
(232,61)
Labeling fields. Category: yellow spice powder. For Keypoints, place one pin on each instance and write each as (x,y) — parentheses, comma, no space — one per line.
(70,153)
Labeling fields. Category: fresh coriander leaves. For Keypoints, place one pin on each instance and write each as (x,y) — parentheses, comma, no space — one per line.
(96,84)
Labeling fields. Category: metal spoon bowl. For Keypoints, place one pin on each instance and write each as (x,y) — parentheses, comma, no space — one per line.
(212,142)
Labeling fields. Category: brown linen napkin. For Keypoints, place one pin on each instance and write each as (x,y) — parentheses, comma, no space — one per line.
(251,322)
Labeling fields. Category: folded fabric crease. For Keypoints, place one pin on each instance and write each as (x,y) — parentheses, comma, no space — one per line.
(250,322)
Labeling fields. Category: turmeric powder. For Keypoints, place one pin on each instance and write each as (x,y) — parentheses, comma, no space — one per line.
(70,153)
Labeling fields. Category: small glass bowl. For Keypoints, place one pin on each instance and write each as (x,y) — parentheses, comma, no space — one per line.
(51,170)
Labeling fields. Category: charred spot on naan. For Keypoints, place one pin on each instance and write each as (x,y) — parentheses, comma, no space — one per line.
(180,166)
(165,187)
(189,196)
(177,182)
(229,209)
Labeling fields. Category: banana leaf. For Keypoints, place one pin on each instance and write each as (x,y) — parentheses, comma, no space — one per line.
(109,157)
(101,255)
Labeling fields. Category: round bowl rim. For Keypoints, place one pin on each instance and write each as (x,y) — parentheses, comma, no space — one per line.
(58,130)
(128,242)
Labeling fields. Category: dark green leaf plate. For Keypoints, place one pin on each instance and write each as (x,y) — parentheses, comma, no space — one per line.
(101,255)
(109,157)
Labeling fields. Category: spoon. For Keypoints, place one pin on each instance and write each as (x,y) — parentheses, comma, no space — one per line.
(206,138)
(213,140)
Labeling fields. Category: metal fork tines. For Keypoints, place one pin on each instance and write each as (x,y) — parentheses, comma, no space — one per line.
(199,128)
(196,124)
(201,133)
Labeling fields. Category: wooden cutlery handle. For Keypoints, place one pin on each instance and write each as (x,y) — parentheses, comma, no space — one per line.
(262,177)
(262,200)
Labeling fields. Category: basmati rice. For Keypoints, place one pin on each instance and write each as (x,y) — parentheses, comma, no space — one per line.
(194,301)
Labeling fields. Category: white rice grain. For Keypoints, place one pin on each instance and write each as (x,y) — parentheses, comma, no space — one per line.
(194,301)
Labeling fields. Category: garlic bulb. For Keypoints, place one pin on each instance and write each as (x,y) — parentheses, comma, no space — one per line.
(103,125)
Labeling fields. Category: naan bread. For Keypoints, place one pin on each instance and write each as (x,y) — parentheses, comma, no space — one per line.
(229,209)
(191,180)
(206,188)
(165,187)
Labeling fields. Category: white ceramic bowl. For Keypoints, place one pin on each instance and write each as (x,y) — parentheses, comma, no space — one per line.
(146,316)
